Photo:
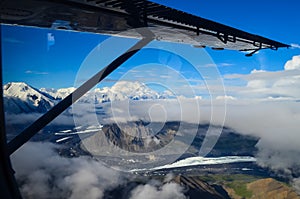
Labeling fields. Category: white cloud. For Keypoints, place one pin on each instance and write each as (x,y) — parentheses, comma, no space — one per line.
(262,84)
(225,64)
(36,72)
(259,83)
(198,97)
(293,64)
(210,65)
(257,71)
(295,45)
(42,173)
(225,97)
(167,191)
(268,75)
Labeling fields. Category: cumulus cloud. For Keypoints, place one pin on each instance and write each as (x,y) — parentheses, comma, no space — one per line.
(167,191)
(280,161)
(293,64)
(262,84)
(42,173)
(271,112)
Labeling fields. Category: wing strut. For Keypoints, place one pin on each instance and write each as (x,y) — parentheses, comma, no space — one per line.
(45,119)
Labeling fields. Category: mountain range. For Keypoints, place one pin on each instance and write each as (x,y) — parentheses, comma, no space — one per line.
(20,97)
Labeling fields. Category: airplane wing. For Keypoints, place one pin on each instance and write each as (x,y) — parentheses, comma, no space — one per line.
(121,17)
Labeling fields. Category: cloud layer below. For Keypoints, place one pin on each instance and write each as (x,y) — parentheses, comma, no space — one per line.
(42,173)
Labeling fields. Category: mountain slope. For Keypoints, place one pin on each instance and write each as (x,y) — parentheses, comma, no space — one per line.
(22,98)
(197,188)
(247,187)
(269,188)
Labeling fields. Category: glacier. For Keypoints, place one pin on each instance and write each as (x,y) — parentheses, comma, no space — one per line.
(196,161)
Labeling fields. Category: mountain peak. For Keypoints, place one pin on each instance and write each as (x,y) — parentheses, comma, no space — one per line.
(19,89)
(134,90)
(20,97)
(128,86)
(22,86)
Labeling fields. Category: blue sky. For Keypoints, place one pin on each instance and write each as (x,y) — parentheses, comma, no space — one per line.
(27,56)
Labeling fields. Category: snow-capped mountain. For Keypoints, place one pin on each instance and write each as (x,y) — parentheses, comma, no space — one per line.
(125,90)
(20,97)
(122,90)
(58,94)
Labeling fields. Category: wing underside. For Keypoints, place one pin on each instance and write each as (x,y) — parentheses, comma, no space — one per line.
(122,17)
